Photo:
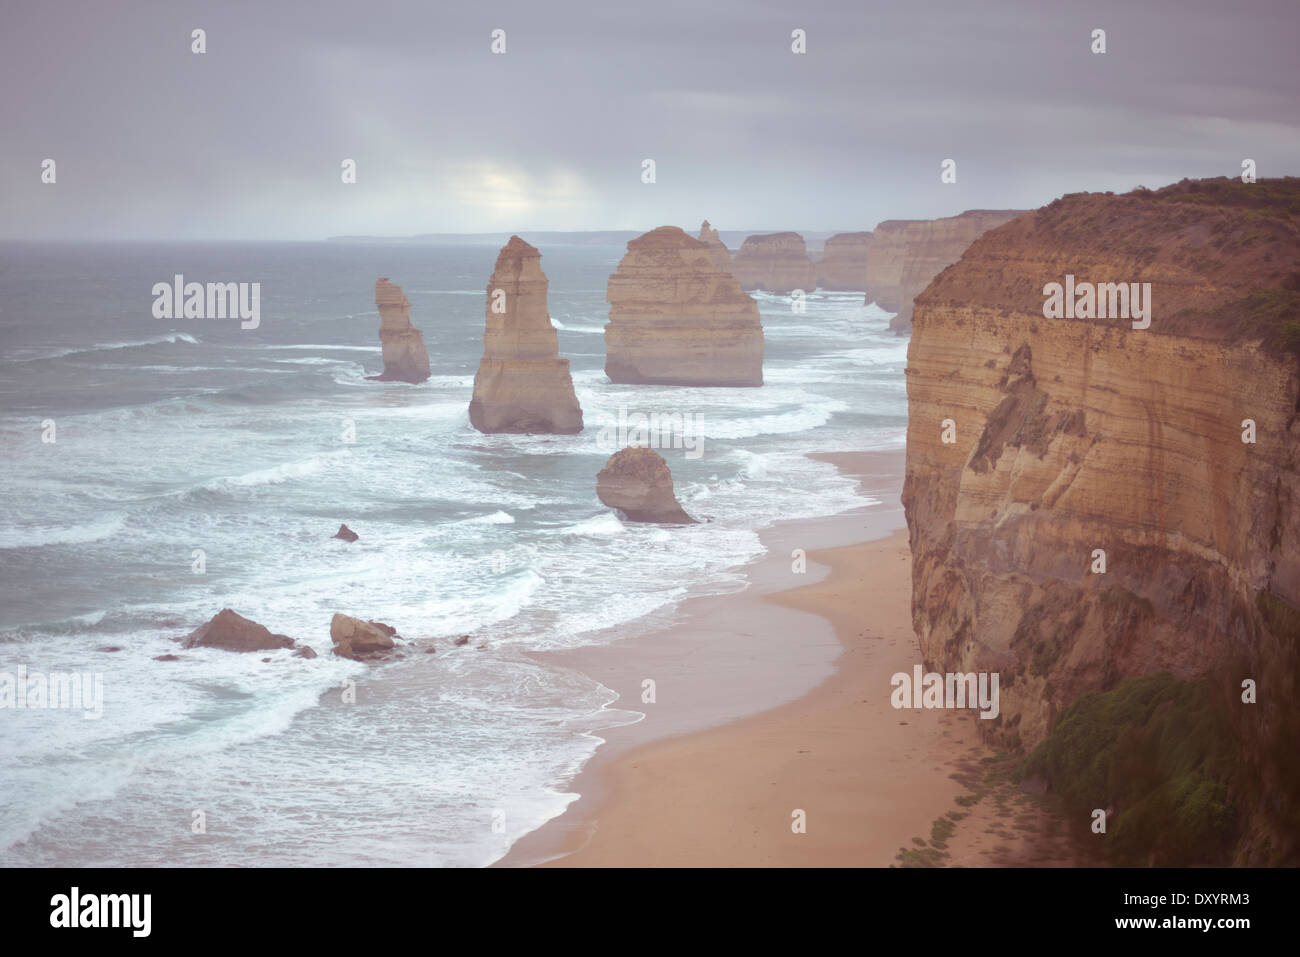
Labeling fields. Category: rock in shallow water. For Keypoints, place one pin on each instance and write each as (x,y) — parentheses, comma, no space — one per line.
(357,639)
(638,482)
(233,632)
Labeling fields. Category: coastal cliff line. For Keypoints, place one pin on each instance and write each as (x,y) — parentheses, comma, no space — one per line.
(1114,526)
(905,254)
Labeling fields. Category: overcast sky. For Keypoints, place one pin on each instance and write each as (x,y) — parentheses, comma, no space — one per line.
(246,140)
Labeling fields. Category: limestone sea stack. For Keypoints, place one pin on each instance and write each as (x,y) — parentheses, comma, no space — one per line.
(1120,510)
(906,254)
(522,384)
(405,358)
(718,250)
(675,318)
(844,262)
(638,482)
(776,263)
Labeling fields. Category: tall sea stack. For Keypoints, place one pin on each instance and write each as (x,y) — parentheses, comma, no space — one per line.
(522,384)
(405,358)
(675,318)
(776,263)
(844,262)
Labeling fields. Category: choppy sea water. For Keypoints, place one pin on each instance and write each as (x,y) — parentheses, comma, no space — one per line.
(177,435)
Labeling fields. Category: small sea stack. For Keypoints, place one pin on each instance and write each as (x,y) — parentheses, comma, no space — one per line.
(638,482)
(676,318)
(718,250)
(405,358)
(522,384)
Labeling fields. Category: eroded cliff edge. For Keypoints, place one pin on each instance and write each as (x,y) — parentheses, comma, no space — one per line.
(1079,435)
(905,254)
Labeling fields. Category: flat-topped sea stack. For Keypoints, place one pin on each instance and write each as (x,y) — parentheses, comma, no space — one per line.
(1109,516)
(638,482)
(776,263)
(717,248)
(522,384)
(675,318)
(405,358)
(906,254)
(844,262)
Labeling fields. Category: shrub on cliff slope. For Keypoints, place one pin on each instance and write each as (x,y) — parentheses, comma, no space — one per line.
(1161,756)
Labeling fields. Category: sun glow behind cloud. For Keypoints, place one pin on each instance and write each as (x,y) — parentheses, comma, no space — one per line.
(503,194)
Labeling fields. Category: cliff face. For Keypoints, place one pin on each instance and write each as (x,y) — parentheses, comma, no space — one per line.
(777,263)
(885,258)
(675,318)
(405,358)
(1077,435)
(844,262)
(522,384)
(718,250)
(907,254)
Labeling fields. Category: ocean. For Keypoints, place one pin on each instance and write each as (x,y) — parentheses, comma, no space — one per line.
(175,439)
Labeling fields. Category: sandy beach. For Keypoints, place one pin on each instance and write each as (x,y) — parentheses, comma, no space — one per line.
(700,782)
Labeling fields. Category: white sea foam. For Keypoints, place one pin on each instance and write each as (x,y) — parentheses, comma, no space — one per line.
(169,339)
(497,537)
(575,328)
(39,535)
(285,472)
(603,525)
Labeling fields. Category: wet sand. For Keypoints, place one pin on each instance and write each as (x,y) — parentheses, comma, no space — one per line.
(771,706)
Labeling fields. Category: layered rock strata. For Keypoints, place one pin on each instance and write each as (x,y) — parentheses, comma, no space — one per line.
(675,318)
(776,263)
(405,358)
(638,482)
(522,384)
(844,262)
(906,254)
(1081,502)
